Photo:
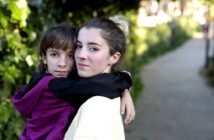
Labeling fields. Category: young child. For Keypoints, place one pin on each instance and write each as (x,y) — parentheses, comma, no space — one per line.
(47,117)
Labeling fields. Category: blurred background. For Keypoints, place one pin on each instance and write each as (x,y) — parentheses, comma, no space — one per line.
(156,27)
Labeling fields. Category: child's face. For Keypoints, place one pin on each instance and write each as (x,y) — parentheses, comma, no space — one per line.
(59,62)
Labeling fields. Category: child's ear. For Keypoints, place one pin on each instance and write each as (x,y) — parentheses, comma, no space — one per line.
(44,59)
(115,58)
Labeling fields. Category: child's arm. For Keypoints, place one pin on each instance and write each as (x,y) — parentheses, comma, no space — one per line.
(26,98)
(76,92)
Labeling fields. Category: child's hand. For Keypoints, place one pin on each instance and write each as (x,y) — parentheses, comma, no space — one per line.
(127,106)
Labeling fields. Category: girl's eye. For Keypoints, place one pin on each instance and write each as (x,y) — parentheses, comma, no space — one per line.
(93,49)
(71,55)
(54,54)
(78,46)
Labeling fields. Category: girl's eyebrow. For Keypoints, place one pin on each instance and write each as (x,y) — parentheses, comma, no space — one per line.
(89,43)
(93,43)
(78,42)
(52,50)
(71,51)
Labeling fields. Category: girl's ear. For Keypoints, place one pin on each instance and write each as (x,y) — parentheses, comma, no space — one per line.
(115,58)
(44,59)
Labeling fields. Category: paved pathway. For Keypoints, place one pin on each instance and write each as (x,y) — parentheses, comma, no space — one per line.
(176,103)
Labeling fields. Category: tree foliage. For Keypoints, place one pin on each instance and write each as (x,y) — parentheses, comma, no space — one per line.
(15,61)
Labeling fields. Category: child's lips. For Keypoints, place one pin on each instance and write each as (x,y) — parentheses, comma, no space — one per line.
(62,73)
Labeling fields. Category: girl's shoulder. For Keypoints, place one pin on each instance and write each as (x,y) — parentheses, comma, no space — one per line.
(40,80)
(27,97)
(46,78)
(37,81)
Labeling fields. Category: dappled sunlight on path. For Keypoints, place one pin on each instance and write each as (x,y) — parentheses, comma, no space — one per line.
(176,103)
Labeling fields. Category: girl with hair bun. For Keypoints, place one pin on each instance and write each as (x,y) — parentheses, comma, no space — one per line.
(100,47)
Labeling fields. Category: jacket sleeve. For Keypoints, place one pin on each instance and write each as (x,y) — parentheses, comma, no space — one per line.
(109,85)
(26,103)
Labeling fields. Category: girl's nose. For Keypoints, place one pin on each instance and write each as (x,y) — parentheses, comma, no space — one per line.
(62,61)
(80,53)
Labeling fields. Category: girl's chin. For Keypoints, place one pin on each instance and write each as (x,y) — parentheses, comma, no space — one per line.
(84,74)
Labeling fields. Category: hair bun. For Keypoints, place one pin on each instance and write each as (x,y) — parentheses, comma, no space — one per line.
(121,22)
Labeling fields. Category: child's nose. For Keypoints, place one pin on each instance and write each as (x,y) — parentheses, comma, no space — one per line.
(62,62)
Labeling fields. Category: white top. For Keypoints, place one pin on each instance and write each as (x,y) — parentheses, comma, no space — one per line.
(97,119)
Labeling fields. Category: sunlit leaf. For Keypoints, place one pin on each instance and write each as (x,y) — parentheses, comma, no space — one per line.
(3,21)
(20,11)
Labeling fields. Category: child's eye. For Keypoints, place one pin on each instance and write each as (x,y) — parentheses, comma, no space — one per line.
(71,55)
(54,54)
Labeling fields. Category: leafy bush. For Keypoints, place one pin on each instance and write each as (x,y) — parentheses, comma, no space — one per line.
(15,62)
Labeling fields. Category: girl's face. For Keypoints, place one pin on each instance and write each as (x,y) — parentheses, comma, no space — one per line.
(59,62)
(92,53)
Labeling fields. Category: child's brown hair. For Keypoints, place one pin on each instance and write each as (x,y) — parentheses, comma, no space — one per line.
(61,36)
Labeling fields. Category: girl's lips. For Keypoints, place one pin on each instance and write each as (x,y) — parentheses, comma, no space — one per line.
(62,72)
(82,65)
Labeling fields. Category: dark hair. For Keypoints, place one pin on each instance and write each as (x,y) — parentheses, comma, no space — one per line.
(61,36)
(111,33)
